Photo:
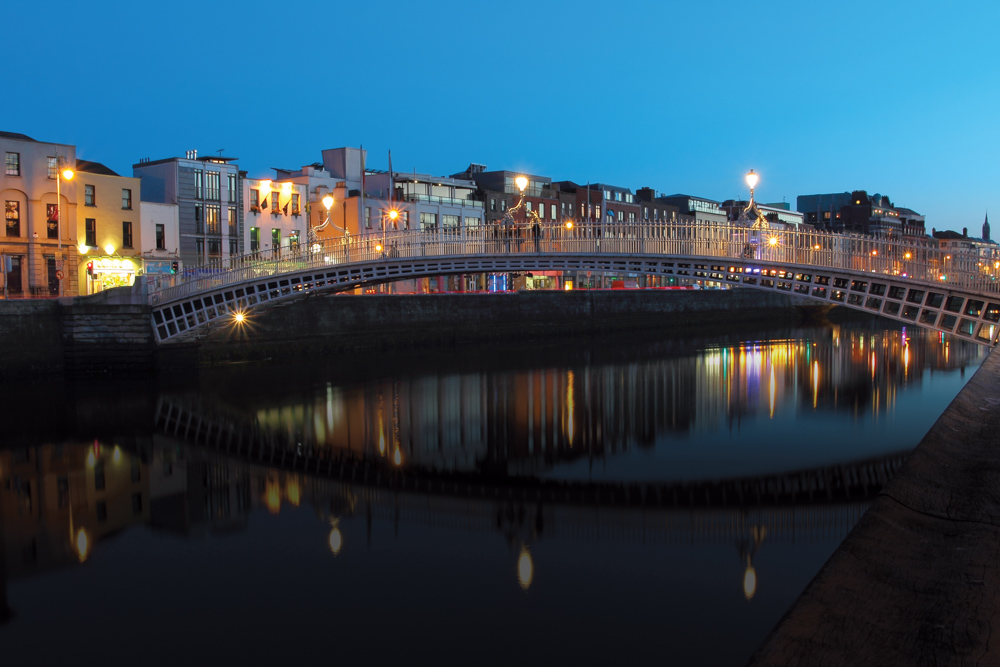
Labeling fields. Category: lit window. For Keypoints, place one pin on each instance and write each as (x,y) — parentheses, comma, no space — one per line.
(13,164)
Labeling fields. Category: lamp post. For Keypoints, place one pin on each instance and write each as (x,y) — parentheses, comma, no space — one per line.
(752,217)
(60,175)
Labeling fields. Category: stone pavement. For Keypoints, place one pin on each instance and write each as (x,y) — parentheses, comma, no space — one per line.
(917,582)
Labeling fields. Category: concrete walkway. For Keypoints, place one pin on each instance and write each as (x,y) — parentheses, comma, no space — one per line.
(917,582)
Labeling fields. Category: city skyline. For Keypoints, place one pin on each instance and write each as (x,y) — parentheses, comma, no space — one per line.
(682,100)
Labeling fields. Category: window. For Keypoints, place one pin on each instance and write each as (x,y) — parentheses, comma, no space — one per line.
(52,221)
(295,204)
(406,219)
(52,166)
(275,238)
(472,223)
(527,206)
(275,203)
(428,222)
(232,247)
(628,197)
(552,210)
(199,226)
(493,203)
(254,239)
(126,199)
(199,179)
(89,196)
(161,238)
(126,234)
(233,219)
(254,199)
(199,245)
(214,248)
(232,188)
(213,218)
(450,223)
(645,213)
(13,164)
(293,238)
(368,217)
(90,227)
(12,212)
(212,185)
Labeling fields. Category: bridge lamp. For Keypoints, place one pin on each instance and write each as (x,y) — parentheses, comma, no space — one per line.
(336,539)
(82,543)
(874,253)
(773,241)
(752,179)
(522,183)
(569,224)
(907,256)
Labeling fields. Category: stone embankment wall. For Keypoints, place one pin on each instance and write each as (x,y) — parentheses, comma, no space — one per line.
(336,324)
(75,337)
(97,335)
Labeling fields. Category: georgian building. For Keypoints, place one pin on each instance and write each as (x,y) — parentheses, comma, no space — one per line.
(275,217)
(38,248)
(108,228)
(207,193)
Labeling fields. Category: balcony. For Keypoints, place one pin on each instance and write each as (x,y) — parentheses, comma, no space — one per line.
(444,201)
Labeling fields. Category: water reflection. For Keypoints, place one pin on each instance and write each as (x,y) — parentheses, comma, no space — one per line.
(531,421)
(374,485)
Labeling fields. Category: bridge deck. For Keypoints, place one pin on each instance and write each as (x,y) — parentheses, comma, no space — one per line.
(912,281)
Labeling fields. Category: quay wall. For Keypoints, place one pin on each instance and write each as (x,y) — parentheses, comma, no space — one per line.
(338,324)
(80,336)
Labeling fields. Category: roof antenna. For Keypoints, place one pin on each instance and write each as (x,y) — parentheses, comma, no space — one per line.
(219,151)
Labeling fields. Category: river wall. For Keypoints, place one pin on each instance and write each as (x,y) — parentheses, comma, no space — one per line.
(80,336)
(339,324)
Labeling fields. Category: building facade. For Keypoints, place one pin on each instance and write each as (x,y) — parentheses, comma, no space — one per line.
(860,213)
(108,228)
(276,217)
(160,239)
(207,192)
(37,247)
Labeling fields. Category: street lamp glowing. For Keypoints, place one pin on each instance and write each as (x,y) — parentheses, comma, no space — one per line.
(110,249)
(68,174)
(393,214)
(749,582)
(569,224)
(522,183)
(525,568)
(752,179)
(328,202)
(773,241)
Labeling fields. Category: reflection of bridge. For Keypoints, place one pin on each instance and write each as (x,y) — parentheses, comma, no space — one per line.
(910,281)
(830,485)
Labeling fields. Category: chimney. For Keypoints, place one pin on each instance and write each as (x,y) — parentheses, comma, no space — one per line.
(965,231)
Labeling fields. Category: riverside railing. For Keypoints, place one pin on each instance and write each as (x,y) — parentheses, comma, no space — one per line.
(912,260)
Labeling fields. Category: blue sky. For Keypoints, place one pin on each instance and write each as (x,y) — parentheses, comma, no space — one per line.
(893,97)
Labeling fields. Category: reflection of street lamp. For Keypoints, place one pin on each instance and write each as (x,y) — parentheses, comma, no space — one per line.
(525,568)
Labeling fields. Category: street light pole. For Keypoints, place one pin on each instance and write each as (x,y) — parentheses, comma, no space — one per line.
(68,175)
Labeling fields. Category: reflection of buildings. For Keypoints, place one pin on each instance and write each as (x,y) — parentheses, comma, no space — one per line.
(58,502)
(525,421)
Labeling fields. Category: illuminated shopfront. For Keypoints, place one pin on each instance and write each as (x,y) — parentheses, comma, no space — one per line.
(108,272)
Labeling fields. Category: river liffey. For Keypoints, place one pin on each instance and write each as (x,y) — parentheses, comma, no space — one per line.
(610,501)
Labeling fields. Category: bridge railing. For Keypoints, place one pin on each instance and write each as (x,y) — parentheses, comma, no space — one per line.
(916,260)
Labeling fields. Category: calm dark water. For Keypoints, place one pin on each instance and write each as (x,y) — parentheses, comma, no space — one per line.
(172,522)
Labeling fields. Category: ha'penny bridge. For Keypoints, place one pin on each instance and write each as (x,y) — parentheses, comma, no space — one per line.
(912,281)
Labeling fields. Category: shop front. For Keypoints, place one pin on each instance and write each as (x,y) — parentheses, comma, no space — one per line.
(107,272)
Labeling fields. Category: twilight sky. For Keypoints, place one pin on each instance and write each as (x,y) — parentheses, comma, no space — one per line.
(899,98)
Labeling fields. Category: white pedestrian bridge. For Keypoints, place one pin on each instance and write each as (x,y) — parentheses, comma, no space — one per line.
(912,281)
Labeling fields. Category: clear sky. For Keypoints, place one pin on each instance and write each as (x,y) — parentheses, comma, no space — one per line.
(899,98)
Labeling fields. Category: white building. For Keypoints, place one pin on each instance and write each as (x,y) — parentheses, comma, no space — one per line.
(275,214)
(160,238)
